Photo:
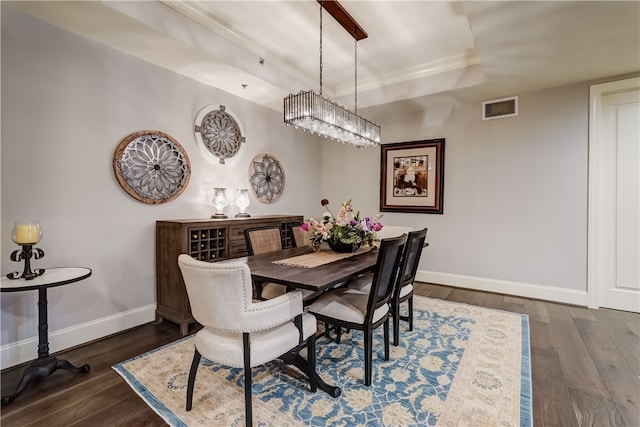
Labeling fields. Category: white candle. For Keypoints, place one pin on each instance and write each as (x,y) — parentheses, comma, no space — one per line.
(26,233)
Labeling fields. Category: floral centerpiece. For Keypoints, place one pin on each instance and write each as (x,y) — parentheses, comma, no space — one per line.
(345,232)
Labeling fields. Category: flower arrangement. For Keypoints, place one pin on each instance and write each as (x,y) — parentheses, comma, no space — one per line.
(346,228)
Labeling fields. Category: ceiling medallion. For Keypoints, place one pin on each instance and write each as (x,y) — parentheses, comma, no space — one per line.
(266,177)
(219,132)
(151,166)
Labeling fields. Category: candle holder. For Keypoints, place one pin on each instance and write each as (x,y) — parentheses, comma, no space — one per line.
(242,202)
(26,234)
(219,202)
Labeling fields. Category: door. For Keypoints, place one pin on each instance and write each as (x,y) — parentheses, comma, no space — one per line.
(614,196)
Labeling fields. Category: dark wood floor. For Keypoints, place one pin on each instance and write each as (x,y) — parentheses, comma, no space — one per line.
(585,369)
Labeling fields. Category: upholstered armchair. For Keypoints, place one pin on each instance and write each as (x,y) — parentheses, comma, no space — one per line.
(239,331)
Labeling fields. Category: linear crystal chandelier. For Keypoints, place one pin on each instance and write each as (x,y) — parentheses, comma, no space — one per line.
(317,114)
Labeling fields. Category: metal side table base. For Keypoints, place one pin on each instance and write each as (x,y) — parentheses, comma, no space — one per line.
(43,367)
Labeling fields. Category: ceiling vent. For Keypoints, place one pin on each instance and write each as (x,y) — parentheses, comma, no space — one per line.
(500,108)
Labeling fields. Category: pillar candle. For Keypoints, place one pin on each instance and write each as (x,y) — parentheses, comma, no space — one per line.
(27,234)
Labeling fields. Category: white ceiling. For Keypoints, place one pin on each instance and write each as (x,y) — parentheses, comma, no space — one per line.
(414,49)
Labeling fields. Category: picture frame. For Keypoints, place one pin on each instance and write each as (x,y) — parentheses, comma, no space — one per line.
(412,176)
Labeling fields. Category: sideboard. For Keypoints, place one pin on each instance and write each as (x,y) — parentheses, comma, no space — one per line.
(207,240)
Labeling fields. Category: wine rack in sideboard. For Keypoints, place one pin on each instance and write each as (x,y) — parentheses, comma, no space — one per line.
(206,240)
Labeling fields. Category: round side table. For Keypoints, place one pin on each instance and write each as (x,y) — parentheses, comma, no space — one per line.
(45,364)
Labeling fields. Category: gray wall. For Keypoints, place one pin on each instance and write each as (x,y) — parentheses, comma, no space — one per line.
(515,193)
(66,104)
(515,203)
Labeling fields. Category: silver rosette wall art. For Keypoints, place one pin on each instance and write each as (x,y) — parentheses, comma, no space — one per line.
(219,132)
(151,166)
(266,176)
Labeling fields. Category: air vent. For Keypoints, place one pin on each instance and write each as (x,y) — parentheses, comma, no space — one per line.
(500,108)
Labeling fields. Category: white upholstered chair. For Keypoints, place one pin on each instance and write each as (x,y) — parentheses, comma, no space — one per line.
(352,309)
(240,332)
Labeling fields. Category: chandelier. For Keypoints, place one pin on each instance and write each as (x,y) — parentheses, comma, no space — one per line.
(317,114)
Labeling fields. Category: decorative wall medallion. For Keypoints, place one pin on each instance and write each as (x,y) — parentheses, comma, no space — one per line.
(219,132)
(266,177)
(151,166)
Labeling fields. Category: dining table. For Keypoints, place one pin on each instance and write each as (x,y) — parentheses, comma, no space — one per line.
(274,267)
(304,268)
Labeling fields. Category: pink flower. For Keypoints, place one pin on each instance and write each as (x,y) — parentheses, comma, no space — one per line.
(304,226)
(377,226)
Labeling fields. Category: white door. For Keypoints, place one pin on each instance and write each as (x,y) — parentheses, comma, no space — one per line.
(614,196)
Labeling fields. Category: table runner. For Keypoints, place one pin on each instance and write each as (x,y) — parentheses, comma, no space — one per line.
(318,258)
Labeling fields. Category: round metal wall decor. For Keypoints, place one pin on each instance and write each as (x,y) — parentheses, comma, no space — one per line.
(151,166)
(266,177)
(219,132)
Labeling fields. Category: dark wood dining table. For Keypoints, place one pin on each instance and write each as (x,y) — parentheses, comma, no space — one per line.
(319,278)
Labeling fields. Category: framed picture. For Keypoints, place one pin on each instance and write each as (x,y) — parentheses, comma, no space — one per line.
(412,176)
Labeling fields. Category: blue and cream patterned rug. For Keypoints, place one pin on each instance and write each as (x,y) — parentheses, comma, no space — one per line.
(461,365)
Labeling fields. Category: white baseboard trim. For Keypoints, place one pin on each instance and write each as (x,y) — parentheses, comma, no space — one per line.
(527,290)
(25,350)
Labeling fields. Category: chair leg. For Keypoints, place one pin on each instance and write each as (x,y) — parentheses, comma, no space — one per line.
(192,378)
(386,339)
(395,307)
(338,334)
(246,347)
(258,289)
(368,349)
(410,302)
(311,360)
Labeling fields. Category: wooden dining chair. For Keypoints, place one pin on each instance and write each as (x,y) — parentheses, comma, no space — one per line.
(300,238)
(352,309)
(403,290)
(240,332)
(262,240)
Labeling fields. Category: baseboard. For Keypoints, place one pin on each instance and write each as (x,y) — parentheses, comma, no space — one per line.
(22,351)
(25,350)
(527,290)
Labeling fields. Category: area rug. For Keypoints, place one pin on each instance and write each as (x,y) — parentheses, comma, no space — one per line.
(461,366)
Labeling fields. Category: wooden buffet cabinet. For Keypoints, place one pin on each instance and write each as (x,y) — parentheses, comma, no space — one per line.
(207,240)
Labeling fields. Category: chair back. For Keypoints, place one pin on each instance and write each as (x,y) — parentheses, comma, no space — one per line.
(262,240)
(219,292)
(392,231)
(410,259)
(385,272)
(300,238)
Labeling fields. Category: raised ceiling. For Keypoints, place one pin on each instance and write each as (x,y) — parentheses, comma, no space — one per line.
(264,50)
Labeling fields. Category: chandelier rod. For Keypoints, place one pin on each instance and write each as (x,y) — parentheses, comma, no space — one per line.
(341,15)
(355,42)
(320,49)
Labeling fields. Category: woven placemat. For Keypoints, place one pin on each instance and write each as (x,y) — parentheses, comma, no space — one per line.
(321,257)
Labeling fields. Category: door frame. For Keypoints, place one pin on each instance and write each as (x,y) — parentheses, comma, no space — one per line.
(600,221)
